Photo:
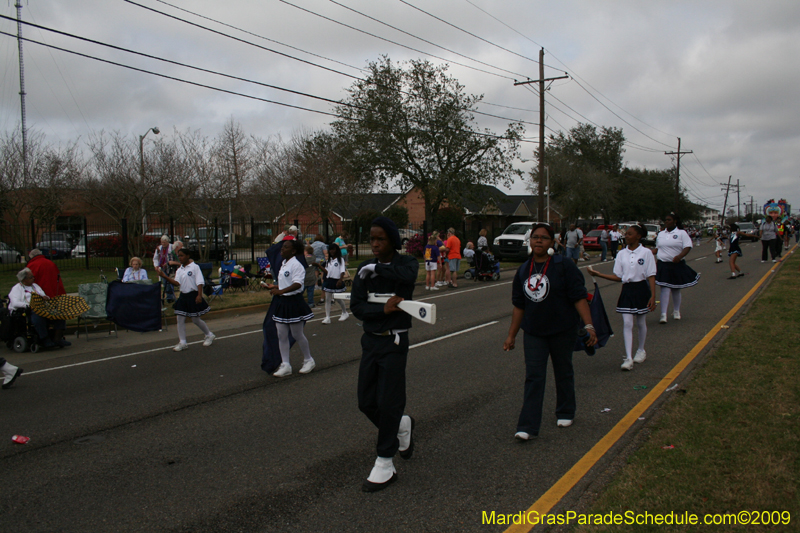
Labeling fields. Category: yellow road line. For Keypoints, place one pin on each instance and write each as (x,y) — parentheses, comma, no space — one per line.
(550,498)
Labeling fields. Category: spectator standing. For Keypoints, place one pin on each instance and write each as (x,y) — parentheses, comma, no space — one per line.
(320,249)
(614,236)
(768,232)
(453,245)
(342,246)
(442,259)
(48,277)
(574,238)
(282,234)
(310,281)
(161,262)
(603,244)
(431,264)
(483,243)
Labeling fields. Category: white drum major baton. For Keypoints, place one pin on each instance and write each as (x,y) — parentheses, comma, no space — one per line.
(419,310)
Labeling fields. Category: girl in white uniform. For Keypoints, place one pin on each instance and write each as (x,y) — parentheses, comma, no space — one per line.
(672,272)
(190,303)
(291,310)
(334,269)
(635,267)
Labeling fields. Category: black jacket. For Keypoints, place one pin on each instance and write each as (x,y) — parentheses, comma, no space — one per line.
(397,277)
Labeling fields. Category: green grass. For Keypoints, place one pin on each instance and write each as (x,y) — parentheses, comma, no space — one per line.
(736,430)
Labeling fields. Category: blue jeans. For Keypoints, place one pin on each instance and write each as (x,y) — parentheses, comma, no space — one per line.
(603,250)
(573,253)
(557,347)
(310,291)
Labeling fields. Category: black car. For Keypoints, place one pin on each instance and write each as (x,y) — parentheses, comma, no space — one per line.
(55,249)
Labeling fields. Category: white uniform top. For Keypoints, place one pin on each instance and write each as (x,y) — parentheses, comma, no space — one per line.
(20,295)
(672,243)
(291,272)
(634,265)
(189,277)
(336,268)
(615,235)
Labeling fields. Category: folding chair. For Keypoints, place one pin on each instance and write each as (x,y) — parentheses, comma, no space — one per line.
(95,295)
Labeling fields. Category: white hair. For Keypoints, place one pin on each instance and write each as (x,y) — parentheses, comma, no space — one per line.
(33,253)
(164,238)
(24,273)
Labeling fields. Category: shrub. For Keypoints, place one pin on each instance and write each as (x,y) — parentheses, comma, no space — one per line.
(416,245)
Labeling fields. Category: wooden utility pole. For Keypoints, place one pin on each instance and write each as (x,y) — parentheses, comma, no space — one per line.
(725,204)
(541,81)
(678,174)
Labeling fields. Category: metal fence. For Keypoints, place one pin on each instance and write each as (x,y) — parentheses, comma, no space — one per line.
(75,243)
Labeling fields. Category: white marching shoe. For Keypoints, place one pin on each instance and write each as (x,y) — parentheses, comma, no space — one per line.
(640,356)
(627,364)
(284,370)
(382,475)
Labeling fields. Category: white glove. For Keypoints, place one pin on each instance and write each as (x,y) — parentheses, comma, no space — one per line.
(368,270)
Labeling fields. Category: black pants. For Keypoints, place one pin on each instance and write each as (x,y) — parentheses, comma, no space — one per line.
(538,350)
(382,387)
(773,245)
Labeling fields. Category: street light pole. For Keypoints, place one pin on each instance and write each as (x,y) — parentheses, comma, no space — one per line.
(141,172)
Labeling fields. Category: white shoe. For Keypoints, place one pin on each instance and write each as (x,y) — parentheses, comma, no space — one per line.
(209,340)
(763,261)
(284,370)
(327,320)
(663,319)
(381,476)
(676,315)
(344,317)
(564,422)
(627,364)
(774,261)
(427,288)
(521,435)
(180,347)
(734,274)
(640,356)
(404,436)
(308,366)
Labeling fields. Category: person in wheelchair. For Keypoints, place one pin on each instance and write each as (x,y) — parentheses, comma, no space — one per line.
(20,298)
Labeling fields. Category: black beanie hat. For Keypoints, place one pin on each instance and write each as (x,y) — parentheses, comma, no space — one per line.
(391,231)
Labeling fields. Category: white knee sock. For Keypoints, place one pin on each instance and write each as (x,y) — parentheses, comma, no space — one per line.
(182,329)
(641,323)
(328,298)
(665,292)
(627,333)
(283,341)
(200,323)
(676,300)
(302,341)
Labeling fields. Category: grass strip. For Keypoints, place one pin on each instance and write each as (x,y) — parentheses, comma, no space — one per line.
(735,431)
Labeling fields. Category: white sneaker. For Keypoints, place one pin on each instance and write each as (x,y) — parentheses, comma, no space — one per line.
(640,356)
(627,364)
(180,347)
(763,261)
(209,340)
(344,317)
(284,370)
(733,274)
(327,320)
(521,435)
(564,422)
(427,288)
(676,315)
(308,366)
(434,288)
(663,319)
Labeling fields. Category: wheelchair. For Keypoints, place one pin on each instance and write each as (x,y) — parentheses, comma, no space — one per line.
(18,332)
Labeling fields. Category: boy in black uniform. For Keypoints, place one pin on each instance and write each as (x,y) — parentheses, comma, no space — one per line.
(384,345)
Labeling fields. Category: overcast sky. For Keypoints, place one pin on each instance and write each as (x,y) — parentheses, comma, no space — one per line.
(722,75)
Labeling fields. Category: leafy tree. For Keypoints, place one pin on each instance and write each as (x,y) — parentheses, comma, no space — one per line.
(413,124)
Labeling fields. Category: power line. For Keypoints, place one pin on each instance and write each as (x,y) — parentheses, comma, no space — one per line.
(298,59)
(429,42)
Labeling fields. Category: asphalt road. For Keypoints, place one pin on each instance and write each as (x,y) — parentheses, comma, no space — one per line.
(203,440)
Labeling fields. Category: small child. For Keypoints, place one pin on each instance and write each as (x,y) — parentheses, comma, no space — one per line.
(310,281)
(635,267)
(431,264)
(718,240)
(735,251)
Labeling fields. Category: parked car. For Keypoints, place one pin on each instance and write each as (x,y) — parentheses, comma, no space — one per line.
(55,249)
(60,236)
(8,254)
(407,234)
(205,237)
(80,248)
(514,242)
(749,229)
(652,233)
(591,241)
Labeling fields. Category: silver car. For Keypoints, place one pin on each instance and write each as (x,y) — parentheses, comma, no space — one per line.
(8,254)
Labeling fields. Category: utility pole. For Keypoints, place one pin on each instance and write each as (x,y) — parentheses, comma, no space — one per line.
(738,201)
(725,205)
(18,5)
(541,81)
(678,173)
